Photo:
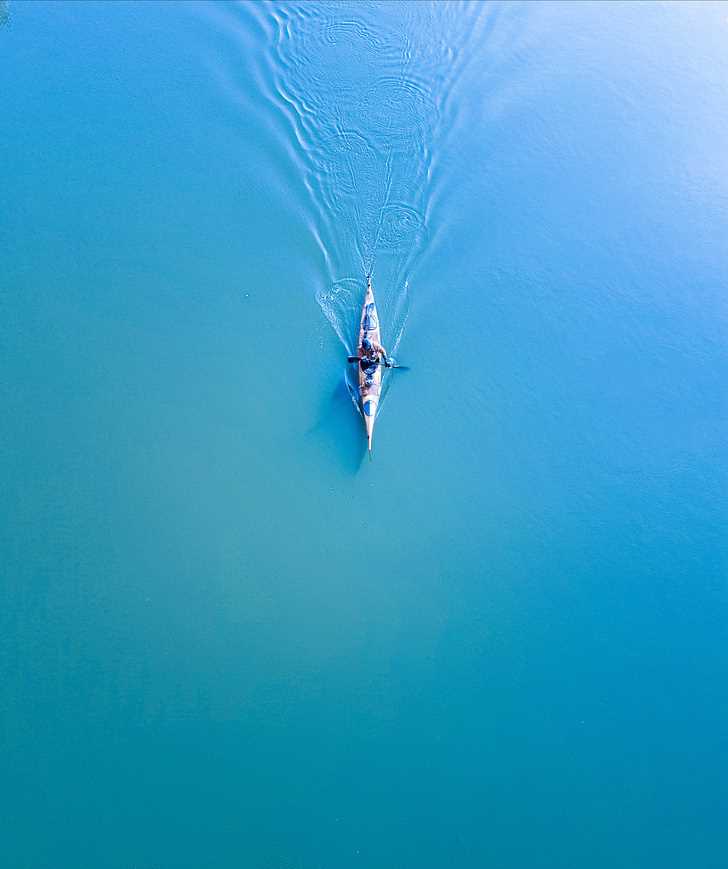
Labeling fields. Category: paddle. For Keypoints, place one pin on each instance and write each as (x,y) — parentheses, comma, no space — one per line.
(390,365)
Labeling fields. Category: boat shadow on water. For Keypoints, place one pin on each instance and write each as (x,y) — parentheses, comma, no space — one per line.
(339,428)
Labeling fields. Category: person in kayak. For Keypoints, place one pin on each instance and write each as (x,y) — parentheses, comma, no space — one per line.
(371,355)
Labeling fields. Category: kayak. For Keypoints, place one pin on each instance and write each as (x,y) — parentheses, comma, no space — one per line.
(370,387)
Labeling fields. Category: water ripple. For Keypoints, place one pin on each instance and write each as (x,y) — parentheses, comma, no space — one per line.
(400,225)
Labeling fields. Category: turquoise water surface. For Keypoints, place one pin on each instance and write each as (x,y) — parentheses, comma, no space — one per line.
(227,638)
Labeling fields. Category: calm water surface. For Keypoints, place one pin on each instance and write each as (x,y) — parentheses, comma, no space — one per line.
(227,639)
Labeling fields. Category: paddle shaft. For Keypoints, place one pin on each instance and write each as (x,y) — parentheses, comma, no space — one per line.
(390,365)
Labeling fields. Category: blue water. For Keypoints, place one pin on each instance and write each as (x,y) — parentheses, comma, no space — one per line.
(227,638)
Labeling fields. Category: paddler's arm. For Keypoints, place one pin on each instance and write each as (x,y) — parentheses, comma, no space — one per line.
(381,351)
(385,359)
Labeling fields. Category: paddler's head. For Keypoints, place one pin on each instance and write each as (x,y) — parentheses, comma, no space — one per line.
(366,344)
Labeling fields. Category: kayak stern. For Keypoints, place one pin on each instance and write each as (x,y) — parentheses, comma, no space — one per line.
(369,409)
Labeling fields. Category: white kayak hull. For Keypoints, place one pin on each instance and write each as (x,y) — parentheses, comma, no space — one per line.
(370,387)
